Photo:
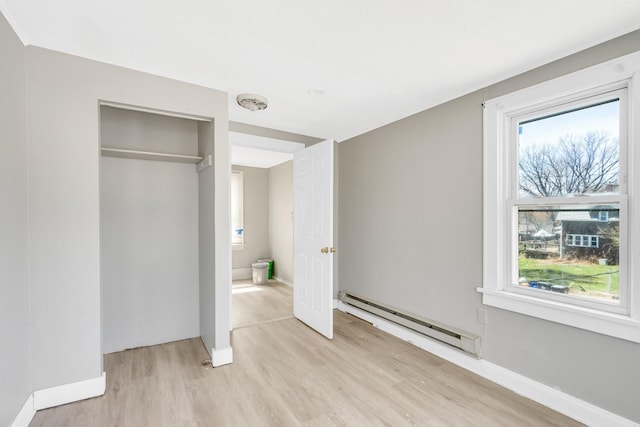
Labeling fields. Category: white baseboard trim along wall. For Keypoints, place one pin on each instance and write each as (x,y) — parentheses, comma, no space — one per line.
(26,414)
(60,395)
(68,393)
(289,284)
(557,400)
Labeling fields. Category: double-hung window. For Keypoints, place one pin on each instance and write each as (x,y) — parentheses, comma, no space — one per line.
(560,174)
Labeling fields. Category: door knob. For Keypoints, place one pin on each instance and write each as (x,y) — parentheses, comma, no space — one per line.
(333,250)
(324,250)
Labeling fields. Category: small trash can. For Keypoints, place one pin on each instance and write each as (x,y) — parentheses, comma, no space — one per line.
(270,261)
(260,273)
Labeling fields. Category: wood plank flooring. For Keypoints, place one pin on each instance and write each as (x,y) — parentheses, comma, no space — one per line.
(285,374)
(260,303)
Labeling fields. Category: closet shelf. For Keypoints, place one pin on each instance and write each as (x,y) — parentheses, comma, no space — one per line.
(149,155)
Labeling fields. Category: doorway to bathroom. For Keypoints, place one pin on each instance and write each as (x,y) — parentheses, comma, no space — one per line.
(306,219)
(262,228)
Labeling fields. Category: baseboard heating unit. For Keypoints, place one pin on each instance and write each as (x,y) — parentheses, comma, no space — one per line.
(463,340)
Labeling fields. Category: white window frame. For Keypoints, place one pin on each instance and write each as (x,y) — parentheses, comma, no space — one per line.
(237,177)
(500,223)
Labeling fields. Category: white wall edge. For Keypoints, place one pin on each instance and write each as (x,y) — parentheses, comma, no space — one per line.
(289,284)
(335,304)
(241,273)
(25,415)
(221,357)
(14,24)
(548,396)
(68,393)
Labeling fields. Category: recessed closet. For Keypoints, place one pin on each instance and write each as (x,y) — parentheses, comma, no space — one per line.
(150,220)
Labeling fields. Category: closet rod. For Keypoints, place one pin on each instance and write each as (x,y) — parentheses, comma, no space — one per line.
(149,155)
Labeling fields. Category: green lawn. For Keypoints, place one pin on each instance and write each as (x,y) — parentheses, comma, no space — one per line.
(583,278)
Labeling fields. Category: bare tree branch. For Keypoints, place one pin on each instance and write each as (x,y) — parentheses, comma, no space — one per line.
(573,165)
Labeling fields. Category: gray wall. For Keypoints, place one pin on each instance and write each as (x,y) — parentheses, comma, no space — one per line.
(410,198)
(256,217)
(63,201)
(410,218)
(138,130)
(149,232)
(281,220)
(149,252)
(14,321)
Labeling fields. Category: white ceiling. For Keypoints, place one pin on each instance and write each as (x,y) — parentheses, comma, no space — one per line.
(376,60)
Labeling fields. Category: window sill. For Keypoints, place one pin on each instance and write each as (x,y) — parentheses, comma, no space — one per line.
(614,325)
(238,246)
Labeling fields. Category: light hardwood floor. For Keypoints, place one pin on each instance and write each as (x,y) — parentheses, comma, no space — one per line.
(286,374)
(260,303)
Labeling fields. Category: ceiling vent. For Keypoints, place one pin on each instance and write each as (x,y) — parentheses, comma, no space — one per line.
(252,101)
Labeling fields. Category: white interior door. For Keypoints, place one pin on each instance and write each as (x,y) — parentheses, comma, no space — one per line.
(313,236)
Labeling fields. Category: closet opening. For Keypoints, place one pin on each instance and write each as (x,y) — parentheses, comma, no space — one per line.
(156,225)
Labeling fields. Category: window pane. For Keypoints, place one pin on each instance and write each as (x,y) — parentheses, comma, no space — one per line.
(569,250)
(572,151)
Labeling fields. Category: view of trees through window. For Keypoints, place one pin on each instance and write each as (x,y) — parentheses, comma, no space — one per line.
(569,247)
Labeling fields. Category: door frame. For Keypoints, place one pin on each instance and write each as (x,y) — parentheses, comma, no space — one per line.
(334,236)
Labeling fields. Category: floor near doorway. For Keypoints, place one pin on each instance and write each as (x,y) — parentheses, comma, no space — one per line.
(255,304)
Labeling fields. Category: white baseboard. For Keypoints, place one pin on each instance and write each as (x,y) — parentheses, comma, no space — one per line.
(335,303)
(283,281)
(59,395)
(221,357)
(241,273)
(25,415)
(68,393)
(557,400)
